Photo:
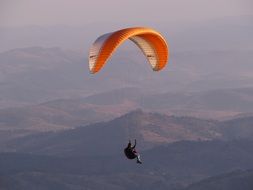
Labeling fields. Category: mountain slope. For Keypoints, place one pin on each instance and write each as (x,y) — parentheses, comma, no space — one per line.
(228,181)
(150,129)
(234,100)
(239,128)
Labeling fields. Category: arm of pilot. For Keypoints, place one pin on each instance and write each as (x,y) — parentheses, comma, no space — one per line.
(134,143)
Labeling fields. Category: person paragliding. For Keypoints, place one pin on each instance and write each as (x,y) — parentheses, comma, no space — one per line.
(131,152)
(152,44)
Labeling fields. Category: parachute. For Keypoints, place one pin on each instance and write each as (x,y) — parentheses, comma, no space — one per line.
(152,44)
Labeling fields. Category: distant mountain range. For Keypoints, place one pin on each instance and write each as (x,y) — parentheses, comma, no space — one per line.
(35,74)
(70,113)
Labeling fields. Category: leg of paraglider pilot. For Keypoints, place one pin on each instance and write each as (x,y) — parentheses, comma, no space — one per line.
(138,156)
(138,159)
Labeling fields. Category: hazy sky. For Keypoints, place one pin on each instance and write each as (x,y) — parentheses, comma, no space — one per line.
(81,12)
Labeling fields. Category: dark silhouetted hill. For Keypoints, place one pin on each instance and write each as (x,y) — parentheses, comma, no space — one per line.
(228,181)
(172,166)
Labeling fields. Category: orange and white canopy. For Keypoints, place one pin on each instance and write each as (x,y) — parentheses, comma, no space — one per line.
(152,44)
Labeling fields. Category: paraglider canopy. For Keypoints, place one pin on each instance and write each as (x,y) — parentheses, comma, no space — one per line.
(152,44)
